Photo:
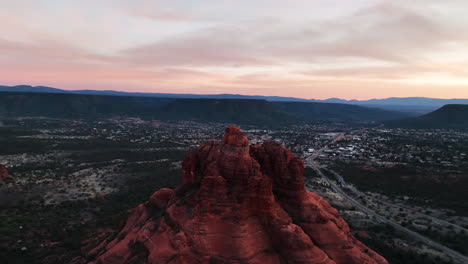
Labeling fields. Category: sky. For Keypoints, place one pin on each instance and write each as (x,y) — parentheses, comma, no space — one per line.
(350,49)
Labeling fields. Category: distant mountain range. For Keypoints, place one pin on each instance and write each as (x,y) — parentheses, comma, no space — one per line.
(411,105)
(449,116)
(402,101)
(237,111)
(43,89)
(316,111)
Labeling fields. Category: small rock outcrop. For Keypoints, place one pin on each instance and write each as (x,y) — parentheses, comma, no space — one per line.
(3,172)
(238,204)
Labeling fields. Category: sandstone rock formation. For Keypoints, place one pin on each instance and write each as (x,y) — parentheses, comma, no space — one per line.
(238,204)
(3,172)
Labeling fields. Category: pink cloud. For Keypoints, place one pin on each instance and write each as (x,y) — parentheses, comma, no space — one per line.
(381,50)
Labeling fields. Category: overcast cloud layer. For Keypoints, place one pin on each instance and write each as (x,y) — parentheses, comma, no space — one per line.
(304,48)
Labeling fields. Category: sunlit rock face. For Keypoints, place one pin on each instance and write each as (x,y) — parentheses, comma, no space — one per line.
(238,204)
(3,172)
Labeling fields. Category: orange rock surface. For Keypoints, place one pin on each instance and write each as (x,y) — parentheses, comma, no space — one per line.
(3,172)
(238,204)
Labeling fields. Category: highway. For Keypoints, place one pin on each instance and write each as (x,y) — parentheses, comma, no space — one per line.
(309,160)
(359,193)
(319,151)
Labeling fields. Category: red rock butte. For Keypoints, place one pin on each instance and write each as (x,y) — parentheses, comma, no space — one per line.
(238,204)
(3,172)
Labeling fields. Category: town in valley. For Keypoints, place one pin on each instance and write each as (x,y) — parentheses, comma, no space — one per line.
(402,191)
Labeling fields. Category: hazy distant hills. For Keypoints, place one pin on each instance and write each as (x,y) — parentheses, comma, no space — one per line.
(30,89)
(43,89)
(404,101)
(81,106)
(337,112)
(239,111)
(411,105)
(449,116)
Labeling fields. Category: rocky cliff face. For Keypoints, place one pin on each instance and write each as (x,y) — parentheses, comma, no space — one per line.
(238,204)
(3,172)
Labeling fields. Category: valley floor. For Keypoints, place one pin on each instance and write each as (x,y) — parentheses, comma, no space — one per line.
(71,178)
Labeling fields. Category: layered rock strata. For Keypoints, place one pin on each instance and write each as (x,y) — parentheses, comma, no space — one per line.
(238,204)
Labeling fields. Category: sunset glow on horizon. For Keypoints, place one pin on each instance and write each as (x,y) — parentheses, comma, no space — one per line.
(359,49)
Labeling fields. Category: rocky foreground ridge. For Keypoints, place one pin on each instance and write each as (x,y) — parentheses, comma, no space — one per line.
(238,204)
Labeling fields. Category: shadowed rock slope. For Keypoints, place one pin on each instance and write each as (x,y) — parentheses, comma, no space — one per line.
(238,204)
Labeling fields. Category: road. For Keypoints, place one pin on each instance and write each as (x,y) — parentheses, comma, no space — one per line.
(319,151)
(310,162)
(359,193)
